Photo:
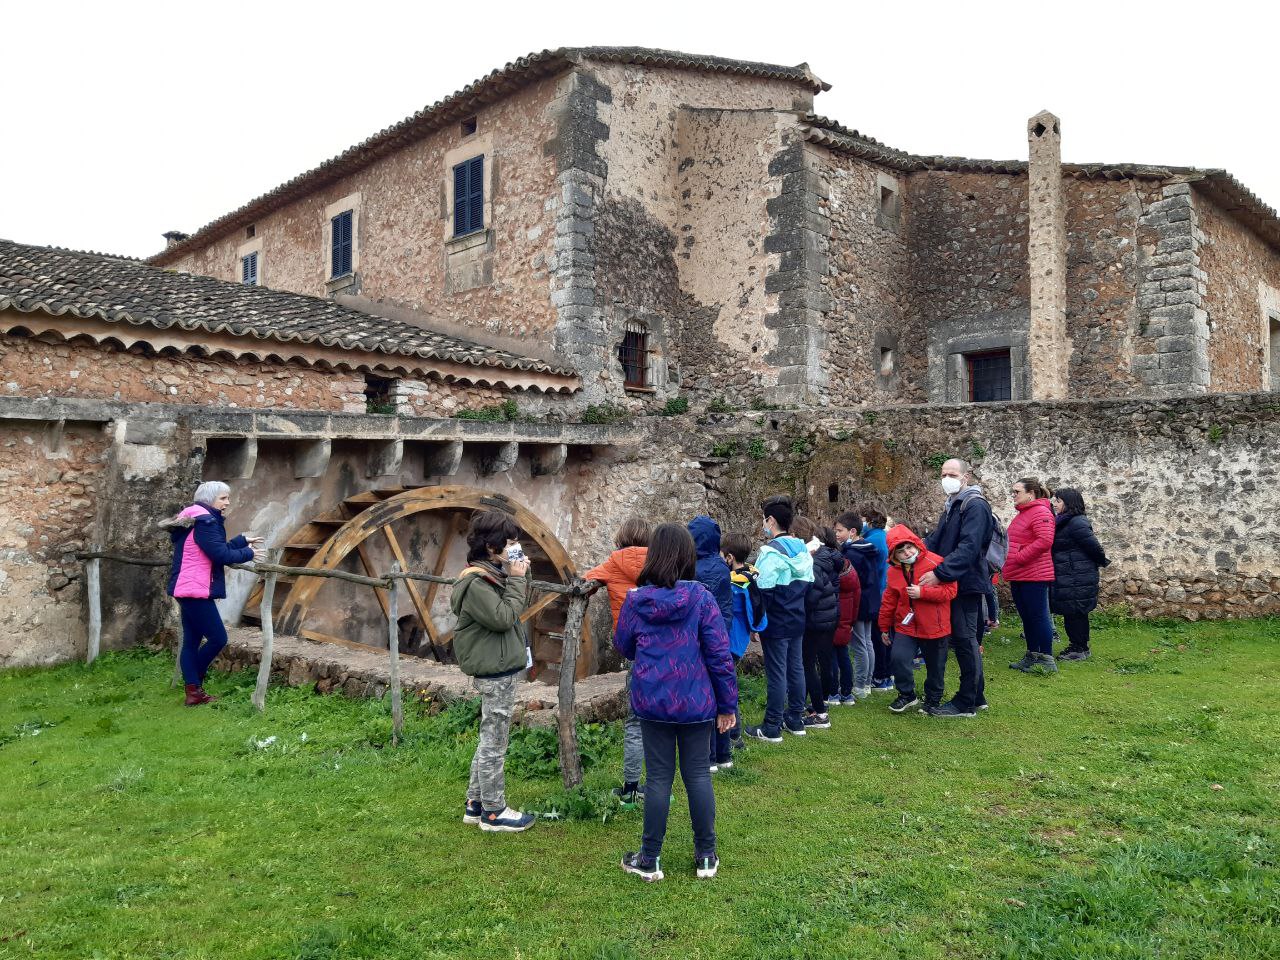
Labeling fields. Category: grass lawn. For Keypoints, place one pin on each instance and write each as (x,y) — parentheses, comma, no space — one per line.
(1129,807)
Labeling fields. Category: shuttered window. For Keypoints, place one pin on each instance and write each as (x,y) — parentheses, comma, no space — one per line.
(249,270)
(342,240)
(468,196)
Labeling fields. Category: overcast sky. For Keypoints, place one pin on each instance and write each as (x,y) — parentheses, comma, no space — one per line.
(123,120)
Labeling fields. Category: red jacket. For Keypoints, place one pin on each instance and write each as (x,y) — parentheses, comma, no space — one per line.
(850,597)
(1031,544)
(619,574)
(932,620)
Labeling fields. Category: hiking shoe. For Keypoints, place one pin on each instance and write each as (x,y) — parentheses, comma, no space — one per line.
(1044,663)
(951,710)
(629,795)
(817,721)
(759,733)
(799,731)
(506,821)
(472,812)
(706,866)
(904,703)
(884,686)
(1072,653)
(1025,663)
(646,868)
(931,709)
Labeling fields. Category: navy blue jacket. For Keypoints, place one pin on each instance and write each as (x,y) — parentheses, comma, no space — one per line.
(713,572)
(202,526)
(862,555)
(822,600)
(961,538)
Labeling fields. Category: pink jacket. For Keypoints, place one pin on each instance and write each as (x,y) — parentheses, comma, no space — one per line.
(1031,544)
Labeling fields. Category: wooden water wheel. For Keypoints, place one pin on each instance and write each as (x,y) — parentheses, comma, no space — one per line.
(424,530)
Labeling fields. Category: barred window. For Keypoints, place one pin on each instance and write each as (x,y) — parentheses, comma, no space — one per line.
(990,376)
(633,354)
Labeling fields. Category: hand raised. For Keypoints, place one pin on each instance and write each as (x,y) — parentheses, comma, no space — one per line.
(518,568)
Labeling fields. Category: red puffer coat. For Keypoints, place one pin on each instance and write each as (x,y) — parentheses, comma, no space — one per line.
(931,614)
(1031,544)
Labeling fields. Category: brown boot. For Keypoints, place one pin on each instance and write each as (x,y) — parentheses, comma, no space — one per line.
(196,696)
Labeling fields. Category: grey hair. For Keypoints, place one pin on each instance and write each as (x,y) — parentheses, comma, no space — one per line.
(210,491)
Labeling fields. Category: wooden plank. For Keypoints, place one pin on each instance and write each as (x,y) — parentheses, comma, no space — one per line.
(423,611)
(535,608)
(268,634)
(566,707)
(318,637)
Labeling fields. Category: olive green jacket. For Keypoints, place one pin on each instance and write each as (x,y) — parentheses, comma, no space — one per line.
(489,638)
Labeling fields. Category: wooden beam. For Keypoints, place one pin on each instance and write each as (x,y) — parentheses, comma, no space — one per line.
(423,611)
(566,706)
(259,698)
(535,608)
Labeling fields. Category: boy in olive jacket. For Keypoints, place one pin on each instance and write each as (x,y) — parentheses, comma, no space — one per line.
(488,599)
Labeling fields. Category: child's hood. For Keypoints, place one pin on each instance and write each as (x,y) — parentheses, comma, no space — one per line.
(631,561)
(706,536)
(898,536)
(666,604)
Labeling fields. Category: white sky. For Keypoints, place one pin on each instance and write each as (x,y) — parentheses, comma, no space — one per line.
(123,120)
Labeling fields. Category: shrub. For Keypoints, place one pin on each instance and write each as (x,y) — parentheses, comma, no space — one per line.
(675,407)
(606,413)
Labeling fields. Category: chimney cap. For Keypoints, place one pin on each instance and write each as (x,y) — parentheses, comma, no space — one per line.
(175,237)
(1042,123)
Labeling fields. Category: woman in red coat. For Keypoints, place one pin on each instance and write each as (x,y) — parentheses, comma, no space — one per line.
(1029,572)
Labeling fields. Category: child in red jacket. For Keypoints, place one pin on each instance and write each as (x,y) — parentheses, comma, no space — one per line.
(911,614)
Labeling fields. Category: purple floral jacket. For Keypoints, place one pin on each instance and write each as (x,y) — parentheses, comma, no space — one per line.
(683,672)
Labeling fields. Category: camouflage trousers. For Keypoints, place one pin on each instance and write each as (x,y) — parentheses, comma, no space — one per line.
(488,766)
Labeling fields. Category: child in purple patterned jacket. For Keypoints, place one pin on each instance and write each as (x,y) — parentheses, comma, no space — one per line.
(682,684)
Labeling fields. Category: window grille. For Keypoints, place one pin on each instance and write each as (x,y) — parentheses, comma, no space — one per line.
(990,376)
(633,354)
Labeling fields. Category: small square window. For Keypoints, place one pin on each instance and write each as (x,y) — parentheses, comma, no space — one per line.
(889,202)
(990,376)
(469,126)
(379,394)
(886,361)
(341,244)
(251,231)
(249,269)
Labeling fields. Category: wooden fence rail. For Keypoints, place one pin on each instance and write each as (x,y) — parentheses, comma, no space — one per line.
(579,593)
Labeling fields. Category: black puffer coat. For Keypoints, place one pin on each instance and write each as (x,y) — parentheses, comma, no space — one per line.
(822,601)
(1077,555)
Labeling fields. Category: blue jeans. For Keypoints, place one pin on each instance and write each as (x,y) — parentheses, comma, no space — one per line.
(864,654)
(661,741)
(1031,597)
(200,621)
(844,670)
(722,743)
(784,683)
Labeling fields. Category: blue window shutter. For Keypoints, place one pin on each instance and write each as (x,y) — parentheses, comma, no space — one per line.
(249,270)
(341,260)
(475,193)
(460,217)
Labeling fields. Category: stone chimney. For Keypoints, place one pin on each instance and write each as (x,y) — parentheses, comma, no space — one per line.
(175,237)
(1048,349)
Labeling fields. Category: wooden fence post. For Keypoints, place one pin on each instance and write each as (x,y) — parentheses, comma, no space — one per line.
(393,650)
(93,586)
(570,760)
(268,632)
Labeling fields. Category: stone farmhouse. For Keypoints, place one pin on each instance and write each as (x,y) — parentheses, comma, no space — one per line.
(506,300)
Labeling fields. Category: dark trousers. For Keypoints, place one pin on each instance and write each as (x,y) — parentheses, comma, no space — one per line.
(903,652)
(1031,597)
(819,663)
(784,683)
(1077,627)
(661,742)
(884,660)
(966,633)
(722,743)
(200,621)
(844,670)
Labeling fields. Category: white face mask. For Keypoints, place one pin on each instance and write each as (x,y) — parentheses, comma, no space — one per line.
(909,556)
(951,485)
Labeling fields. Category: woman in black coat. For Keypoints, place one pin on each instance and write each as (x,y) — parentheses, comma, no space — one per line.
(1077,556)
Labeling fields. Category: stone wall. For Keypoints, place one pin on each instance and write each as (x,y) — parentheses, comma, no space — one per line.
(405,251)
(49,478)
(1242,293)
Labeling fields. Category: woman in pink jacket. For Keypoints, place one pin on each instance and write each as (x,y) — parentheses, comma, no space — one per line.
(1028,570)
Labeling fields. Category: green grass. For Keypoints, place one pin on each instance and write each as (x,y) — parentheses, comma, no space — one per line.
(1079,818)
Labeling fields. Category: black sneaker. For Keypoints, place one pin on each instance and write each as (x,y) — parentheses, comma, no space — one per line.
(759,733)
(817,721)
(646,868)
(506,821)
(629,794)
(738,743)
(904,703)
(706,866)
(951,710)
(1074,654)
(930,709)
(795,731)
(472,811)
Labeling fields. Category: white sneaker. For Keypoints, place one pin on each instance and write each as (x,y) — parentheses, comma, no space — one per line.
(717,767)
(508,821)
